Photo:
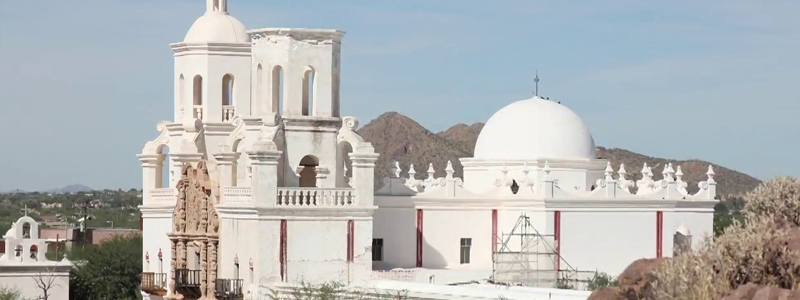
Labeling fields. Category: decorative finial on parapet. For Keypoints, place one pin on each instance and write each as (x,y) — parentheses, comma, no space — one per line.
(609,172)
(622,173)
(411,172)
(670,172)
(449,169)
(644,169)
(397,169)
(711,174)
(431,171)
(528,181)
(679,178)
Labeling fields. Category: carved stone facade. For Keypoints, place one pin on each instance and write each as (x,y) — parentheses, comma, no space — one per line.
(195,225)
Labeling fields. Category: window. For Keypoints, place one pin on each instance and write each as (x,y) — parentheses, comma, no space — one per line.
(466,244)
(377,249)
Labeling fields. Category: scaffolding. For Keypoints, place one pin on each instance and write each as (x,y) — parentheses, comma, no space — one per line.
(525,257)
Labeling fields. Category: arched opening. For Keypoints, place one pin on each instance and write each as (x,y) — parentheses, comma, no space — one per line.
(181,95)
(216,5)
(345,166)
(238,173)
(227,97)
(26,230)
(259,86)
(34,252)
(514,187)
(308,174)
(277,90)
(681,241)
(197,92)
(163,173)
(18,251)
(308,92)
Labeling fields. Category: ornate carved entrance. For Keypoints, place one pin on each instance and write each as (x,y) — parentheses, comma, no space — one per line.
(195,236)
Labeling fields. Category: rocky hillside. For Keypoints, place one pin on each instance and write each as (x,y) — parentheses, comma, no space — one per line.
(399,138)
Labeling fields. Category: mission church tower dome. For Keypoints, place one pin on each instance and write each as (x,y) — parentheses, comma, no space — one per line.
(216,25)
(532,129)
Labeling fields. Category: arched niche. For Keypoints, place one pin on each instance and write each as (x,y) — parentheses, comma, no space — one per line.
(308,171)
(277,90)
(309,88)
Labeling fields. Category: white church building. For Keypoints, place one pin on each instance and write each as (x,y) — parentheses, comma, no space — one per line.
(258,181)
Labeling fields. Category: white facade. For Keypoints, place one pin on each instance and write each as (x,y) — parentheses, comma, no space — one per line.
(260,109)
(24,266)
(291,193)
(535,162)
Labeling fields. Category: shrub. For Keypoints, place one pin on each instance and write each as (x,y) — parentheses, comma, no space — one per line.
(601,280)
(7,293)
(757,250)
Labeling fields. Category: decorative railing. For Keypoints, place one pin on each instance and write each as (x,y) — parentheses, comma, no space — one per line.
(229,289)
(316,197)
(198,112)
(236,195)
(228,112)
(163,195)
(153,281)
(185,278)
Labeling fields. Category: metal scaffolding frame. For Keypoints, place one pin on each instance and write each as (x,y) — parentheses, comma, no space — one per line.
(533,261)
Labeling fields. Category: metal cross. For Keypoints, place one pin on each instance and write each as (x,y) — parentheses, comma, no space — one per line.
(26,210)
(536,81)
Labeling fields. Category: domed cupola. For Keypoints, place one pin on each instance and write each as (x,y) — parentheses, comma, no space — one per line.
(217,26)
(535,128)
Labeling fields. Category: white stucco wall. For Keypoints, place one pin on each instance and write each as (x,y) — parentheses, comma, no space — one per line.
(607,241)
(22,279)
(317,250)
(442,234)
(398,229)
(699,223)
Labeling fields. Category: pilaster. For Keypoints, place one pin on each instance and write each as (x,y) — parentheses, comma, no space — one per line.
(225,163)
(151,163)
(363,176)
(264,158)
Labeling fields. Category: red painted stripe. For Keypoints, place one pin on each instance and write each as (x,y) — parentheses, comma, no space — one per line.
(494,233)
(283,253)
(350,240)
(419,238)
(659,232)
(557,233)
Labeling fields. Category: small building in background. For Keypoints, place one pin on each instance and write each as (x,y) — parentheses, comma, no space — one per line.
(25,267)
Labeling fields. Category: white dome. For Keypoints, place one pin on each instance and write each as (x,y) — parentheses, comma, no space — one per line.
(532,129)
(217,27)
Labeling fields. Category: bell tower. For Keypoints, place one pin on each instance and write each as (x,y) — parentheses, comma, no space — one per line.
(297,76)
(212,68)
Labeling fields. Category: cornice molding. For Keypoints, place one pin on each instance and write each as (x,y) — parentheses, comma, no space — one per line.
(470,163)
(226,49)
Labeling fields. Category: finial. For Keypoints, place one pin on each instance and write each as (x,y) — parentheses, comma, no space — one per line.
(609,172)
(411,172)
(710,174)
(644,168)
(217,6)
(431,171)
(546,168)
(26,210)
(679,173)
(536,82)
(449,169)
(397,169)
(622,173)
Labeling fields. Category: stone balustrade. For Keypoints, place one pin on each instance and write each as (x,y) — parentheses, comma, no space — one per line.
(228,112)
(291,196)
(296,197)
(236,195)
(198,112)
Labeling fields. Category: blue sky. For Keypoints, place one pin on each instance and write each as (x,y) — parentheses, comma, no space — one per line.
(83,82)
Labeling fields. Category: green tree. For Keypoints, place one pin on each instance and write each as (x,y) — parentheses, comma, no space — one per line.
(601,280)
(7,293)
(110,270)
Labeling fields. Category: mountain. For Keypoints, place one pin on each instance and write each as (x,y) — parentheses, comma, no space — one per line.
(399,138)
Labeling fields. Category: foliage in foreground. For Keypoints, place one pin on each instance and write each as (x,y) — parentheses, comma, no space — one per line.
(110,270)
(333,291)
(7,293)
(601,280)
(755,250)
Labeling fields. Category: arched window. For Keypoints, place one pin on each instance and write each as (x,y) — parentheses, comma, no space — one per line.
(277,90)
(259,86)
(345,168)
(308,174)
(181,95)
(26,230)
(514,187)
(227,89)
(197,92)
(308,92)
(163,175)
(227,98)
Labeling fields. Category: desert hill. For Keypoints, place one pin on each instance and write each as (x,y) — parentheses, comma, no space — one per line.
(399,138)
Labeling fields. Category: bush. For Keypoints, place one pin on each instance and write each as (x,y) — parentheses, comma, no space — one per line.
(7,293)
(757,250)
(601,280)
